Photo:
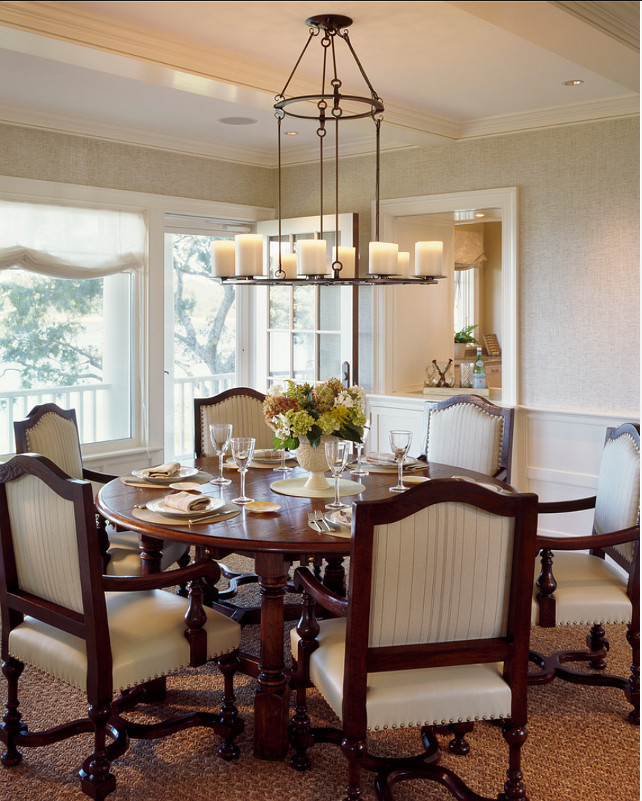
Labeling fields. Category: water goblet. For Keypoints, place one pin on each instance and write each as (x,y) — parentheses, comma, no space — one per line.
(242,452)
(360,470)
(220,434)
(336,454)
(283,468)
(399,444)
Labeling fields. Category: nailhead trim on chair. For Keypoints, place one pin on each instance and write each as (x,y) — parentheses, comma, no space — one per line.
(419,724)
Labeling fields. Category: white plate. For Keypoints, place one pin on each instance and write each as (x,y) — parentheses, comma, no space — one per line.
(267,456)
(415,479)
(262,507)
(158,506)
(492,487)
(184,472)
(186,486)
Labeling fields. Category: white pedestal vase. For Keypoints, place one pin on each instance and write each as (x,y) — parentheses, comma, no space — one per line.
(313,460)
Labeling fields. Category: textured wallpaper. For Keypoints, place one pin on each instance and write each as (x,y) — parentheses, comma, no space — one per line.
(45,156)
(579,263)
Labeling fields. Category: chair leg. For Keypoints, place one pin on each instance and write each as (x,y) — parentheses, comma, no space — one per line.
(354,752)
(633,690)
(228,665)
(597,643)
(11,721)
(96,780)
(514,789)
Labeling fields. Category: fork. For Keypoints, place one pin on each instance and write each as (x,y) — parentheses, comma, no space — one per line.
(321,522)
(313,522)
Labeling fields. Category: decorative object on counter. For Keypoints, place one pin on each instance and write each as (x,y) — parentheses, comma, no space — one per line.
(479,372)
(463,338)
(466,374)
(302,414)
(492,345)
(437,376)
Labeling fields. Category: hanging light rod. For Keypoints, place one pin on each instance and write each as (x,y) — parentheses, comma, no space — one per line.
(328,108)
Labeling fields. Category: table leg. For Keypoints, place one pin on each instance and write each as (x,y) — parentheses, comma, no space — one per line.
(334,577)
(151,551)
(272,699)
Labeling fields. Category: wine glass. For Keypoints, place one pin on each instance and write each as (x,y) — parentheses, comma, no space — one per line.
(283,468)
(399,444)
(220,434)
(336,454)
(242,452)
(360,470)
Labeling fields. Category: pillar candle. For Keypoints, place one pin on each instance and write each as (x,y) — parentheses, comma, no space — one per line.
(288,264)
(383,258)
(428,258)
(311,256)
(403,263)
(347,257)
(223,251)
(249,254)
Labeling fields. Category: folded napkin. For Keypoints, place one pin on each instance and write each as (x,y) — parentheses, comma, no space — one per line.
(166,470)
(344,517)
(378,458)
(187,502)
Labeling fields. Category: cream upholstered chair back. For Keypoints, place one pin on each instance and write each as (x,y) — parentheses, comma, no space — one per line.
(242,407)
(53,432)
(442,573)
(44,542)
(469,432)
(617,504)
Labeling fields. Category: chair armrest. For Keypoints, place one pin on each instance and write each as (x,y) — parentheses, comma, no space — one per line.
(94,475)
(168,578)
(593,541)
(305,581)
(553,507)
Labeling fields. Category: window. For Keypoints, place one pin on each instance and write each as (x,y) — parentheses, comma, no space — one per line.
(68,284)
(309,332)
(202,351)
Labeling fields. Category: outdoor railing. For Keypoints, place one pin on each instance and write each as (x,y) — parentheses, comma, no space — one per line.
(91,401)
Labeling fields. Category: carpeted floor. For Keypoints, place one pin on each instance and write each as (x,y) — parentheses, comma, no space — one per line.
(579,746)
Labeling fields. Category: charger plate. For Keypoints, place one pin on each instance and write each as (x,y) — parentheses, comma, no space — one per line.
(224,513)
(296,487)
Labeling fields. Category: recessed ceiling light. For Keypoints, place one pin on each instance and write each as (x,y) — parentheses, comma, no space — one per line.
(480,214)
(237,120)
(573,83)
(291,133)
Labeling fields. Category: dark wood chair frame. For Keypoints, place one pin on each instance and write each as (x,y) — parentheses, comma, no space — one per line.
(512,649)
(600,545)
(149,553)
(219,599)
(104,719)
(506,413)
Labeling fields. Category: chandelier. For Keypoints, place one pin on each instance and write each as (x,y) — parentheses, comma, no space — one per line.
(241,262)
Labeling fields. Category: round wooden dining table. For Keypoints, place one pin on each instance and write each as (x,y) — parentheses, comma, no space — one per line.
(274,540)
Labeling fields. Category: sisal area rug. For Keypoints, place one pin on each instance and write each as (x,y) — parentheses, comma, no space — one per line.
(579,745)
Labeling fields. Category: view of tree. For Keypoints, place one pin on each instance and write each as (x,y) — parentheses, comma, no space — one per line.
(43,324)
(204,337)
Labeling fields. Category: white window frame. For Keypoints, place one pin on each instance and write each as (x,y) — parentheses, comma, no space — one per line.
(145,446)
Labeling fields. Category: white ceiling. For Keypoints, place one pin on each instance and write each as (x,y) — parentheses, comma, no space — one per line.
(162,74)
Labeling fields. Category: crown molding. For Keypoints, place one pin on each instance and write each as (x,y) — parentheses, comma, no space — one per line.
(620,20)
(77,125)
(553,117)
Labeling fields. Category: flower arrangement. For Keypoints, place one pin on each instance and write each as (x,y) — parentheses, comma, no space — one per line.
(307,410)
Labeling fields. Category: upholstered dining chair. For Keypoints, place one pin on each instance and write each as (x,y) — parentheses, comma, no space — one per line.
(470,432)
(101,634)
(603,585)
(442,649)
(53,432)
(242,407)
